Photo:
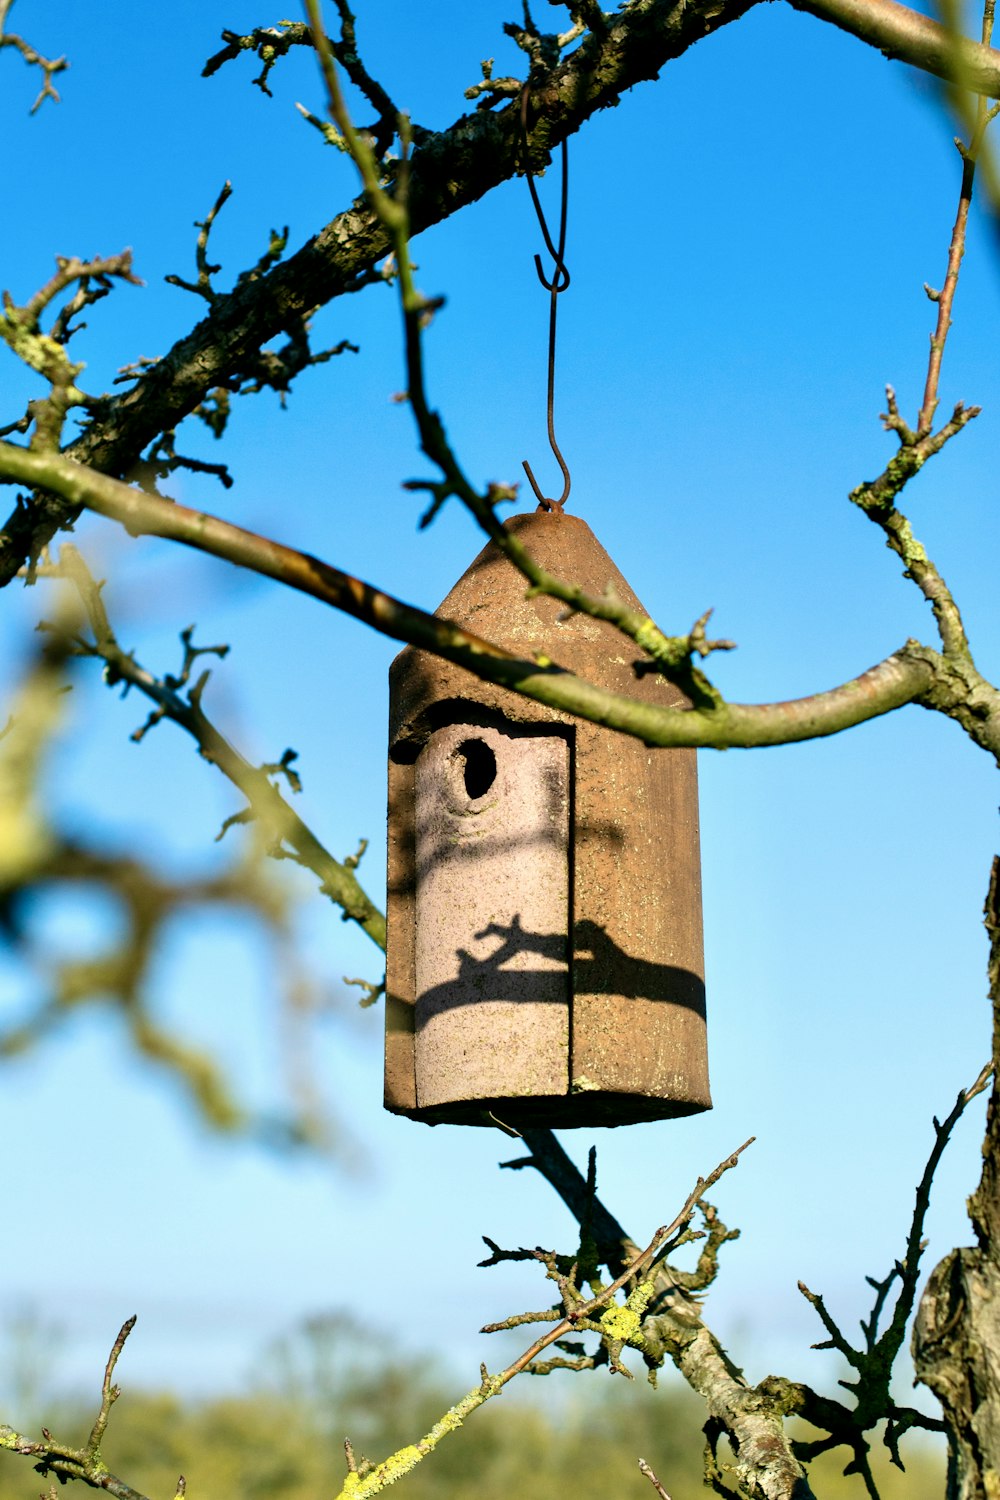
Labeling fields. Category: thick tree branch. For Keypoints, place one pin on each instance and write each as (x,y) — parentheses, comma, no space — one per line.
(768,1462)
(906,677)
(956,1334)
(984,1205)
(908,36)
(450,169)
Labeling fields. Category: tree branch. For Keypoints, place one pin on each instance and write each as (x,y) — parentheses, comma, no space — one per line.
(905,677)
(270,43)
(750,1417)
(620,1323)
(85,1463)
(960,690)
(279,823)
(49,66)
(908,36)
(449,169)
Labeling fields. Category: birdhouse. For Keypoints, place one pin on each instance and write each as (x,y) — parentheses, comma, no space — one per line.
(544,961)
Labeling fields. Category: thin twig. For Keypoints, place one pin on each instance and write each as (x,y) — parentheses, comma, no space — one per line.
(956,249)
(203,286)
(109,1391)
(49,66)
(893,1336)
(87,1463)
(644,1468)
(288,834)
(877,497)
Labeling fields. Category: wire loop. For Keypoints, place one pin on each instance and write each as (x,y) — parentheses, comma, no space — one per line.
(554,285)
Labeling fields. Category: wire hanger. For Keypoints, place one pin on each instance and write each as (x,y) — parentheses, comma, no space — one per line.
(558,283)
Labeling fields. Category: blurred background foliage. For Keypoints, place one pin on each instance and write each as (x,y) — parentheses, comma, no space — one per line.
(282,1437)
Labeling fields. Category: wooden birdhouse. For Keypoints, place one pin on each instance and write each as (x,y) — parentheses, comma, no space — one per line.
(544,961)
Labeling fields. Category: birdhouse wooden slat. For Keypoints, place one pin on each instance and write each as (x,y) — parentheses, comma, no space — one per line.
(544,960)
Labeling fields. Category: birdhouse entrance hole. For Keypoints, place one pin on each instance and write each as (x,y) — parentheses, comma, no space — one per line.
(480,767)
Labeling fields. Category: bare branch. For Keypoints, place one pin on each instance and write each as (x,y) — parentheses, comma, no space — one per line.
(637,43)
(645,1469)
(270,43)
(911,37)
(343,256)
(49,66)
(906,677)
(874,1364)
(285,833)
(954,1335)
(972,700)
(624,1319)
(46,352)
(203,286)
(87,1463)
(674,1328)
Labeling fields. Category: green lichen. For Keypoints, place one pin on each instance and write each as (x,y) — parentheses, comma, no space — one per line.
(39,350)
(581,1084)
(398,1464)
(384,1474)
(624,1322)
(360,1487)
(650,638)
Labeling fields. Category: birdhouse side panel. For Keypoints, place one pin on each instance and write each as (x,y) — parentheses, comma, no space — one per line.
(639,1005)
(400,979)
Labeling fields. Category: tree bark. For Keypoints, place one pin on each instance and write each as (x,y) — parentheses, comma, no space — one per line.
(956,1338)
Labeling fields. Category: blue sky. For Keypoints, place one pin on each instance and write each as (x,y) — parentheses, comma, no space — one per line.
(748,240)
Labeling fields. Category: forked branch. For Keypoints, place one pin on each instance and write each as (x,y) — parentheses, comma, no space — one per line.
(451,168)
(284,833)
(906,677)
(620,1323)
(86,1463)
(49,66)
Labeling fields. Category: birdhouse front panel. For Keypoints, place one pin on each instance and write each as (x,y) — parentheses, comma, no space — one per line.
(492,979)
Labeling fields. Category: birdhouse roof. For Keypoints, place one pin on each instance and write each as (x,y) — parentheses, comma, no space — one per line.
(490,601)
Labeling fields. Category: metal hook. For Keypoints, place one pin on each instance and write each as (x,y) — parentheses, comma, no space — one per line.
(559,282)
